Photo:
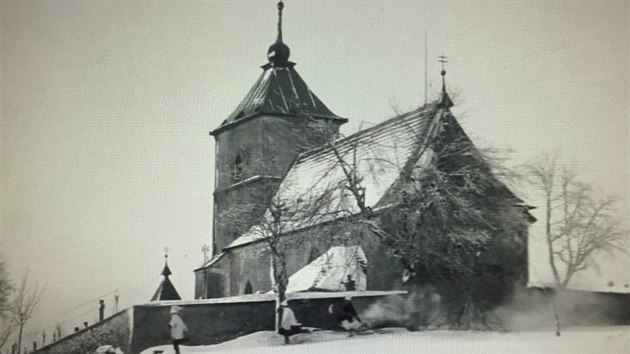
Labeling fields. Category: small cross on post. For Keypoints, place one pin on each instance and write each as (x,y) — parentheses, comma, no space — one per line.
(166,252)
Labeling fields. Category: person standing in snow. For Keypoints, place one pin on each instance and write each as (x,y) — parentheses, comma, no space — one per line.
(178,328)
(289,325)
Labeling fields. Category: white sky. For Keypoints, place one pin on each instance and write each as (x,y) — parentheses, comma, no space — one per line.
(106,108)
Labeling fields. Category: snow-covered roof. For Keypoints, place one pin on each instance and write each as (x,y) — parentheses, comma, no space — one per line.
(314,188)
(212,261)
(330,270)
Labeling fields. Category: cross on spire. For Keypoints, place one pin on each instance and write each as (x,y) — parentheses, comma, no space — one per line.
(444,101)
(443,59)
(166,271)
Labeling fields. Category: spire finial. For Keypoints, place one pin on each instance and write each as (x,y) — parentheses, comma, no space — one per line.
(278,53)
(444,101)
(443,59)
(166,271)
(280,8)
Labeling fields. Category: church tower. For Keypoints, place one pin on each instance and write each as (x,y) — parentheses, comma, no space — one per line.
(278,119)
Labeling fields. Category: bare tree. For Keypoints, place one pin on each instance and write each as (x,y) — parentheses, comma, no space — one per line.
(271,215)
(7,326)
(23,305)
(579,225)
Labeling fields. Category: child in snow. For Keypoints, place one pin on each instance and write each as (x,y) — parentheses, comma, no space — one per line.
(289,325)
(178,328)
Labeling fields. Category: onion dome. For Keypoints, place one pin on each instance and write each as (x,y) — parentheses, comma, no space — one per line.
(278,53)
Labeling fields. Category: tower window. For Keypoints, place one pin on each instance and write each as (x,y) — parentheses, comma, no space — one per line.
(237,169)
(313,255)
(248,288)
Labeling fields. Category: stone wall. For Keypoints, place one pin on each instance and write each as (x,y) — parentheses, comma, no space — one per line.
(217,320)
(208,323)
(114,330)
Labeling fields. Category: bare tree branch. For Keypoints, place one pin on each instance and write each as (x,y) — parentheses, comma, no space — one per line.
(578,224)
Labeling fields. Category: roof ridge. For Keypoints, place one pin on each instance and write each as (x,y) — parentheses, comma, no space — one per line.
(430,107)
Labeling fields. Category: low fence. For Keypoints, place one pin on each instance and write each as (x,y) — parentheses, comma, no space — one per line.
(114,330)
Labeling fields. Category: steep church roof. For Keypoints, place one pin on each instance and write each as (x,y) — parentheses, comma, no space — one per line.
(330,270)
(381,152)
(166,290)
(279,90)
(314,187)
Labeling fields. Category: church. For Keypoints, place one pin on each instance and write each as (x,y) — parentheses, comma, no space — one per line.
(282,143)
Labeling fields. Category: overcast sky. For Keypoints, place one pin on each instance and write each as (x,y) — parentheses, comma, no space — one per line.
(106,108)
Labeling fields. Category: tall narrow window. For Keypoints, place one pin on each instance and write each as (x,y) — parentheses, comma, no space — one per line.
(313,255)
(237,170)
(248,288)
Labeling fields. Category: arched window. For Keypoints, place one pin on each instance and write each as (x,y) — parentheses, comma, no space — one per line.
(248,288)
(313,255)
(237,169)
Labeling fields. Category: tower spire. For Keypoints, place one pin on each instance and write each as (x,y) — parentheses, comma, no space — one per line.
(280,8)
(166,271)
(444,101)
(166,290)
(443,59)
(278,53)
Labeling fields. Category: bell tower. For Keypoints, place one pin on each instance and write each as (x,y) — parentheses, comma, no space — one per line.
(278,119)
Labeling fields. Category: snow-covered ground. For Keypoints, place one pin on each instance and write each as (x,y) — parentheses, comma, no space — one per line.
(397,340)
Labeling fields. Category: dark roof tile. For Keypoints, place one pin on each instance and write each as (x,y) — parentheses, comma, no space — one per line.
(280,91)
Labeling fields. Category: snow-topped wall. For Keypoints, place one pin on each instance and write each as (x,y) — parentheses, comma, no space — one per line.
(209,321)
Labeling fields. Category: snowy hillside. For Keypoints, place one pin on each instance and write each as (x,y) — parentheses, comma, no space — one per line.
(609,340)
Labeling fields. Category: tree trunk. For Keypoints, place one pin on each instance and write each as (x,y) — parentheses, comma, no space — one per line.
(554,308)
(557,317)
(19,348)
(552,264)
(280,288)
(552,261)
(279,312)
